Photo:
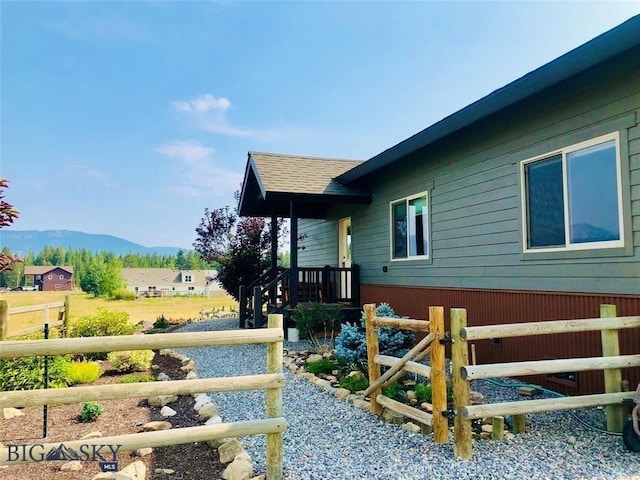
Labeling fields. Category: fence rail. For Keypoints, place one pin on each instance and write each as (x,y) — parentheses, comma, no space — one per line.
(273,382)
(6,312)
(611,362)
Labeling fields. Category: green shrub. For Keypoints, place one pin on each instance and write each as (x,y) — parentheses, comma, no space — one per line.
(423,392)
(354,384)
(395,391)
(104,323)
(27,373)
(91,411)
(131,361)
(123,294)
(315,318)
(161,322)
(136,378)
(321,366)
(83,372)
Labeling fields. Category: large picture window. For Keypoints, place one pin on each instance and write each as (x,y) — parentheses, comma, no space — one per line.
(572,197)
(410,227)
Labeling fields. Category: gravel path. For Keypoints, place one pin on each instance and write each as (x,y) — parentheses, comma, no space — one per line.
(328,439)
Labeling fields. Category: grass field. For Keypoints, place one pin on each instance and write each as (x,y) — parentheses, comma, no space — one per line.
(82,304)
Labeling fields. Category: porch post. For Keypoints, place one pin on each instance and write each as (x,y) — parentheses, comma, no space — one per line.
(294,256)
(274,256)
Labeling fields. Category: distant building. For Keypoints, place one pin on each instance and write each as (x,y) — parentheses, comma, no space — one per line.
(49,278)
(161,282)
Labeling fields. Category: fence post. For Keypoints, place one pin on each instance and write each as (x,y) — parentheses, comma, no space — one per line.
(372,351)
(242,305)
(275,455)
(257,307)
(67,315)
(461,392)
(4,320)
(616,417)
(438,376)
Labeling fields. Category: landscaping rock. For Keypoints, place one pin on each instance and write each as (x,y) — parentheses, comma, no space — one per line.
(201,400)
(238,470)
(74,466)
(94,434)
(362,405)
(229,450)
(357,374)
(215,420)
(207,411)
(134,471)
(10,412)
(161,400)
(163,377)
(164,471)
(167,412)
(314,358)
(342,393)
(155,426)
(412,427)
(143,452)
(191,375)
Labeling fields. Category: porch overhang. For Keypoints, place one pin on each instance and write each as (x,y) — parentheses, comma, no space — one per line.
(273,182)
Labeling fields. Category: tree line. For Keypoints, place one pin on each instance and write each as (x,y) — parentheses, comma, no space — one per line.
(89,266)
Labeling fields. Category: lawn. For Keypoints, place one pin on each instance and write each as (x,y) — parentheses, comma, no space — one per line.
(82,304)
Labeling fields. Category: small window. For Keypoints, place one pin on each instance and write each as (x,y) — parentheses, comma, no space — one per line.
(191,288)
(61,277)
(57,286)
(572,198)
(50,277)
(38,277)
(187,278)
(410,227)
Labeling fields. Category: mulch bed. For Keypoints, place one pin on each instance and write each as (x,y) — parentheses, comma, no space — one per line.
(189,461)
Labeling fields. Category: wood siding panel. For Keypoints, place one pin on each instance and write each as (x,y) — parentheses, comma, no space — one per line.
(485,307)
(320,246)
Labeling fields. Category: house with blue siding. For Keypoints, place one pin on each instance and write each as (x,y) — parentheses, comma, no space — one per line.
(523,206)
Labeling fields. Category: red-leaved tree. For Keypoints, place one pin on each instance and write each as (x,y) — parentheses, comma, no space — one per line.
(240,246)
(7,215)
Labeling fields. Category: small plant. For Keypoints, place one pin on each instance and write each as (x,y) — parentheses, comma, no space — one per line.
(83,372)
(91,411)
(354,384)
(394,391)
(321,366)
(131,361)
(161,322)
(136,378)
(316,318)
(423,392)
(104,323)
(123,294)
(351,342)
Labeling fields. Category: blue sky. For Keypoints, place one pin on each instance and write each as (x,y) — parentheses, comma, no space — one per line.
(129,118)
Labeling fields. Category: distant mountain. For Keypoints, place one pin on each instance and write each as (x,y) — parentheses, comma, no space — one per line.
(21,242)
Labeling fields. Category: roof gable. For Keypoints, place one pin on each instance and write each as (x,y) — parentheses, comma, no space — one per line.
(44,269)
(272,180)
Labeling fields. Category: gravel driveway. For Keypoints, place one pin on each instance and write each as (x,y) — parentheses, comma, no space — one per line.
(330,439)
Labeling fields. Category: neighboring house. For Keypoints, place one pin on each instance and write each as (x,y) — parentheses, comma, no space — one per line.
(156,282)
(523,206)
(48,278)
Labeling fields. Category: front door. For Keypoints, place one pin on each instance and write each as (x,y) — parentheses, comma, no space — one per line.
(344,256)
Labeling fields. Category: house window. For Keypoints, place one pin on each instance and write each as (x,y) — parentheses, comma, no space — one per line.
(38,277)
(410,227)
(61,277)
(187,278)
(57,286)
(572,197)
(50,277)
(191,288)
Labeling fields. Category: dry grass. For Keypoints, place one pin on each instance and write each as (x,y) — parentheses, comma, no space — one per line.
(82,304)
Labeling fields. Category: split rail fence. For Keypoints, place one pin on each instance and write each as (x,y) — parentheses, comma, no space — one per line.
(61,308)
(611,362)
(430,346)
(273,382)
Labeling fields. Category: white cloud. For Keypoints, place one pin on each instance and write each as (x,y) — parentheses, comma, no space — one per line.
(186,150)
(204,104)
(197,172)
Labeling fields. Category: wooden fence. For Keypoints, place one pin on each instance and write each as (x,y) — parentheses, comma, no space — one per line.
(273,382)
(62,317)
(611,362)
(431,346)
